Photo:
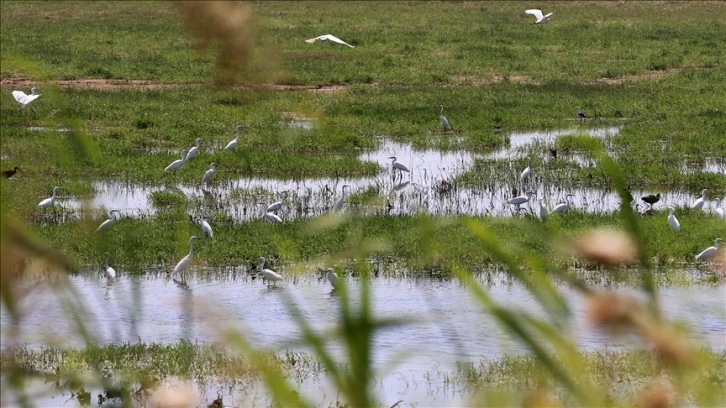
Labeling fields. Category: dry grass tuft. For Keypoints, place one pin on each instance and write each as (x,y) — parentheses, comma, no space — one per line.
(608,247)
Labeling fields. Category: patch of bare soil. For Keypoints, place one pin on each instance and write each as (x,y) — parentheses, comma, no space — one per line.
(637,77)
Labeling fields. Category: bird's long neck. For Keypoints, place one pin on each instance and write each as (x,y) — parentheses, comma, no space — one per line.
(191,247)
(54,193)
(106,265)
(442,110)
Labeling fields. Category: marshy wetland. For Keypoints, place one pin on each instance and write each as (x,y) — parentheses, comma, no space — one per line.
(450,294)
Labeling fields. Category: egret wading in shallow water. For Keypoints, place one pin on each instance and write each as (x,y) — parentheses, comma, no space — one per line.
(24,99)
(443,120)
(328,37)
(270,216)
(233,144)
(338,206)
(651,199)
(397,165)
(580,115)
(109,271)
(177,163)
(332,278)
(673,221)
(562,207)
(194,150)
(10,173)
(539,17)
(109,222)
(720,213)
(527,171)
(209,174)
(698,204)
(182,266)
(521,199)
(48,202)
(267,274)
(709,252)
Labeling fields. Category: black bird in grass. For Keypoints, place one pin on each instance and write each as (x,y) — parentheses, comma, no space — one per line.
(10,173)
(553,152)
(651,199)
(580,114)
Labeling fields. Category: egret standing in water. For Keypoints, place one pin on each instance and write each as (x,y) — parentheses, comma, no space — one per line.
(109,271)
(194,150)
(527,171)
(209,174)
(562,207)
(267,274)
(333,278)
(397,165)
(709,252)
(233,144)
(24,99)
(339,204)
(673,221)
(109,222)
(48,202)
(177,163)
(183,264)
(698,204)
(521,199)
(720,213)
(443,120)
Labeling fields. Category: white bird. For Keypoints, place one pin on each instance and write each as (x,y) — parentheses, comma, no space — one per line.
(562,207)
(109,222)
(709,252)
(673,221)
(207,177)
(521,199)
(24,99)
(233,144)
(443,120)
(580,114)
(267,274)
(542,211)
(206,227)
(274,207)
(110,272)
(184,263)
(339,204)
(48,202)
(328,37)
(272,217)
(540,18)
(194,150)
(397,165)
(527,171)
(698,204)
(333,278)
(177,163)
(719,210)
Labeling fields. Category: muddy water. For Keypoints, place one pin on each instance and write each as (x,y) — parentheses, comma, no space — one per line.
(445,323)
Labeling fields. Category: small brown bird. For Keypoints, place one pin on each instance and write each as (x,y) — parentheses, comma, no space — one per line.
(10,173)
(651,199)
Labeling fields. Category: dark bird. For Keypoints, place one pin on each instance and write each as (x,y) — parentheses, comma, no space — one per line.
(651,199)
(10,173)
(553,152)
(580,114)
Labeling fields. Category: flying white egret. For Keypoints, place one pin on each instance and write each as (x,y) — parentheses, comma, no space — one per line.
(521,199)
(709,252)
(233,144)
(542,211)
(274,207)
(48,202)
(24,99)
(194,150)
(267,274)
(109,222)
(443,120)
(698,204)
(10,173)
(527,171)
(540,18)
(333,278)
(562,207)
(207,177)
(110,272)
(205,226)
(184,263)
(328,37)
(397,165)
(580,114)
(719,210)
(339,204)
(177,163)
(673,221)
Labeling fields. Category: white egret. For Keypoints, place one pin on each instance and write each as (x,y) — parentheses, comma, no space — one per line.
(274,207)
(110,272)
(24,99)
(698,204)
(109,222)
(272,217)
(720,213)
(339,204)
(267,274)
(333,278)
(10,173)
(194,150)
(205,226)
(542,211)
(233,144)
(580,115)
(709,252)
(328,37)
(527,171)
(184,263)
(521,199)
(443,120)
(207,177)
(397,165)
(651,199)
(562,207)
(539,17)
(48,202)
(177,163)
(673,221)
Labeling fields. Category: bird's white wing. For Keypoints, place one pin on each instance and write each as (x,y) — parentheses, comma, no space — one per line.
(19,96)
(548,15)
(537,13)
(328,37)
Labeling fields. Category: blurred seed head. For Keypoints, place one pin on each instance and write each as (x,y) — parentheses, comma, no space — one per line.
(174,395)
(612,310)
(658,394)
(607,247)
(719,266)
(670,346)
